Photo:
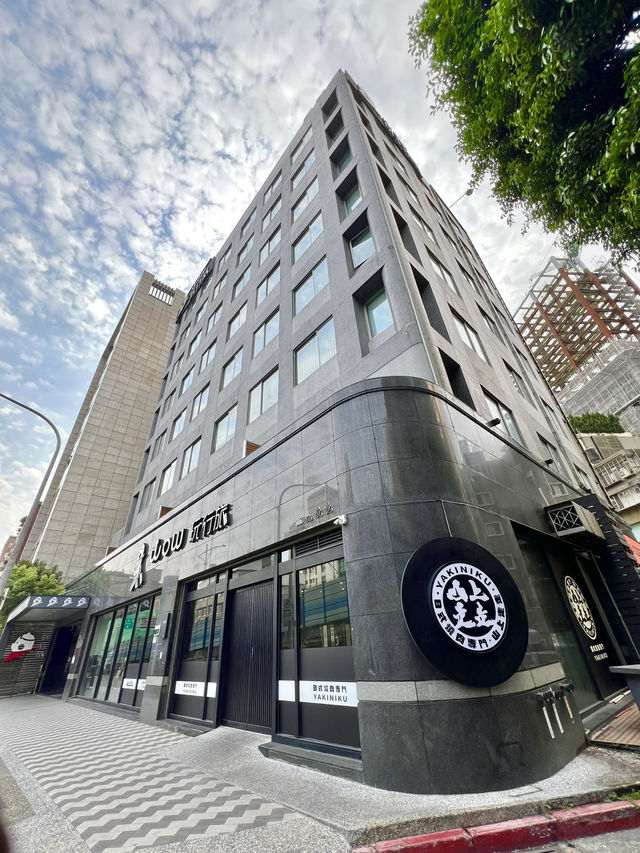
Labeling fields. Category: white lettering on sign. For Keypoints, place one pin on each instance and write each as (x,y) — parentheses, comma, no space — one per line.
(329,693)
(212,687)
(190,688)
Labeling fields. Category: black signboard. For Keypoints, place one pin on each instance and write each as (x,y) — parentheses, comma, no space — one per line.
(464,612)
(588,625)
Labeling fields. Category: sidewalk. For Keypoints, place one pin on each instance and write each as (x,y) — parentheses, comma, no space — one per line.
(86,780)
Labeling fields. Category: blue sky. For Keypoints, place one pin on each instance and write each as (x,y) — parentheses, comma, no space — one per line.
(134,134)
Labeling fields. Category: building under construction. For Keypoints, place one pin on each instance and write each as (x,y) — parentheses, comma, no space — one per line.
(583,329)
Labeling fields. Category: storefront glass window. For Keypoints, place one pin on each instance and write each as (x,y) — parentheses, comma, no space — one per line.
(152,625)
(287,624)
(323,606)
(140,632)
(120,659)
(107,667)
(217,631)
(199,617)
(94,658)
(258,565)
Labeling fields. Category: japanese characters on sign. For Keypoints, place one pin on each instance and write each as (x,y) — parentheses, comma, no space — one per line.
(203,527)
(469,607)
(329,693)
(581,609)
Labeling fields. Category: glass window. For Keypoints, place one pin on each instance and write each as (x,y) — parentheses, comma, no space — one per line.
(94,657)
(201,311)
(344,161)
(224,257)
(184,333)
(270,245)
(518,381)
(187,379)
(120,659)
(273,186)
(303,202)
(406,186)
(323,606)
(504,415)
(199,402)
(107,665)
(207,356)
(298,149)
(140,632)
(362,247)
(195,343)
(263,396)
(147,492)
(469,336)
(159,444)
(422,224)
(213,319)
(308,236)
(443,272)
(169,402)
(311,286)
(352,199)
(190,458)
(177,364)
(219,286)
(225,428)
(166,480)
(198,624)
(244,251)
(232,368)
(287,621)
(315,351)
(248,223)
(237,321)
(242,282)
(267,284)
(265,333)
(271,214)
(309,160)
(378,313)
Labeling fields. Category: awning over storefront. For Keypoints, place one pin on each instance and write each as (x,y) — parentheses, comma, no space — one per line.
(50,608)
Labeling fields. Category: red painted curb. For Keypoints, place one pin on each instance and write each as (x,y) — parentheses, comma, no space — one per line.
(450,841)
(560,825)
(511,834)
(595,819)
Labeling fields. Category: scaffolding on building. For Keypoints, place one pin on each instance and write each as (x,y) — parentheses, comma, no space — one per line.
(570,313)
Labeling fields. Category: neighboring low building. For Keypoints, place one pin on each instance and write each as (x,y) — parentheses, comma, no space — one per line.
(616,460)
(583,329)
(361,525)
(90,491)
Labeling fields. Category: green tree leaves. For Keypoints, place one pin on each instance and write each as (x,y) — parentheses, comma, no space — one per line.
(595,422)
(545,98)
(29,578)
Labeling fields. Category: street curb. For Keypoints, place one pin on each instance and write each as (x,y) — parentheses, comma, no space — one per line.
(523,833)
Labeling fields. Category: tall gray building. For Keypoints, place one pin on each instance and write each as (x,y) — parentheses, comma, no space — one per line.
(362,524)
(90,492)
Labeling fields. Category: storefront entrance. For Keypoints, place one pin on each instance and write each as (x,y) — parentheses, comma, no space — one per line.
(248,673)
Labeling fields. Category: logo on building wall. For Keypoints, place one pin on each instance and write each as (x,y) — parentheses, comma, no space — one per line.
(581,609)
(464,612)
(21,647)
(469,607)
(138,575)
(206,525)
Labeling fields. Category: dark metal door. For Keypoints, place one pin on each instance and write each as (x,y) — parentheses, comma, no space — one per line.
(248,658)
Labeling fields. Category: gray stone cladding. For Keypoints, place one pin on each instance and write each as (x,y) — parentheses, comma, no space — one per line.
(91,489)
(411,228)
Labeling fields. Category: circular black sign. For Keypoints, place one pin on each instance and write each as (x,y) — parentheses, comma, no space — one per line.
(464,612)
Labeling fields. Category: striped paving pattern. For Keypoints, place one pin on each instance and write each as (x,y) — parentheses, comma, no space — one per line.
(105,776)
